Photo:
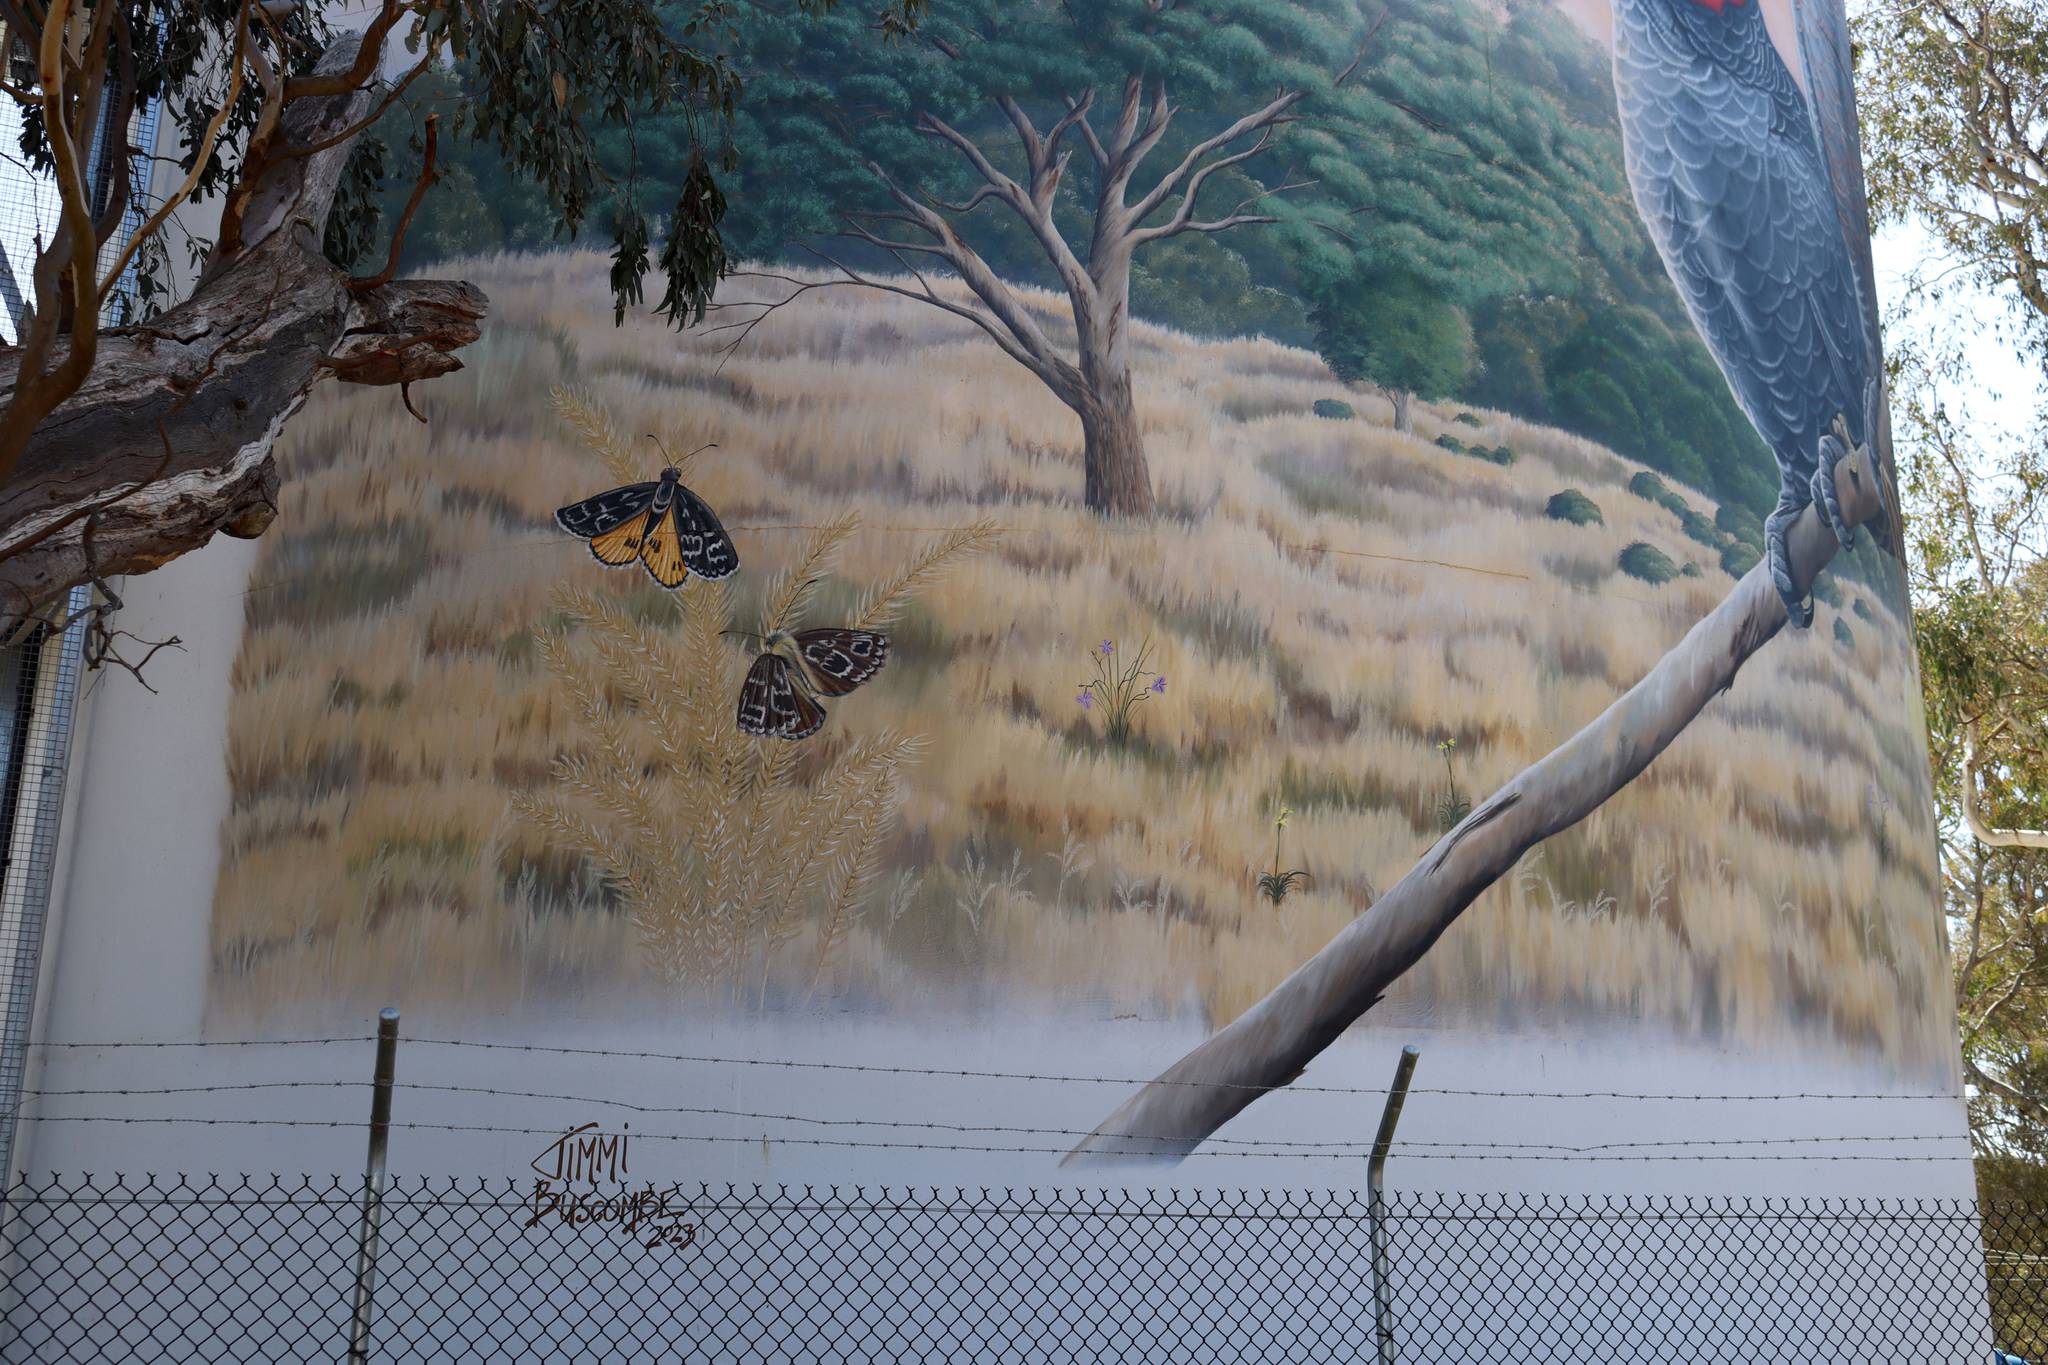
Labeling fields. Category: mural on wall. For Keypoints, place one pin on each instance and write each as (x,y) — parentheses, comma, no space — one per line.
(1155,467)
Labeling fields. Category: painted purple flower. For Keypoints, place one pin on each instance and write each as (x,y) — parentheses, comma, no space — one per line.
(1159,686)
(1107,647)
(1086,698)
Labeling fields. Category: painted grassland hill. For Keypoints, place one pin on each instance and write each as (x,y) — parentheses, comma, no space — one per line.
(1360,627)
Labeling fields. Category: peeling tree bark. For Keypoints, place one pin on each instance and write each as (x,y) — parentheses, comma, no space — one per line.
(1269,1045)
(169,439)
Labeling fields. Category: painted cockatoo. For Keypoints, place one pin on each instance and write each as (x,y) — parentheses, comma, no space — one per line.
(1751,189)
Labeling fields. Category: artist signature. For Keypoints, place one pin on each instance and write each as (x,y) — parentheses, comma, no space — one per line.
(582,1179)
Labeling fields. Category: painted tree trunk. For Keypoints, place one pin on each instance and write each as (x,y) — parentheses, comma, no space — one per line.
(1118,480)
(1404,419)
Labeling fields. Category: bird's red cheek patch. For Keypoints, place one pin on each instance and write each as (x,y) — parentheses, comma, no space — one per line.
(1717,6)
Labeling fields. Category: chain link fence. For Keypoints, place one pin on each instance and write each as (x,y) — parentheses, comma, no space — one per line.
(264,1269)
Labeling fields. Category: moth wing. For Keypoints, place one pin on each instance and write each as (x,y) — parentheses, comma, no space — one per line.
(772,705)
(752,717)
(810,717)
(706,549)
(622,544)
(662,551)
(841,660)
(607,511)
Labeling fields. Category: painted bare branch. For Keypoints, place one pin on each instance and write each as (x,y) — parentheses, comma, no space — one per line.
(167,440)
(1268,1046)
(1096,382)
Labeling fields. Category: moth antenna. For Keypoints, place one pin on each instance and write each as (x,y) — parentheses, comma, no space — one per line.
(667,459)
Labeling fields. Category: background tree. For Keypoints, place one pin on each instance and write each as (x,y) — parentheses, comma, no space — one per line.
(1955,118)
(1394,332)
(125,445)
(1980,586)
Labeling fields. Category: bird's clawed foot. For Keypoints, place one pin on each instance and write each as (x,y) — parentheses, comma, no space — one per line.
(1834,446)
(1798,610)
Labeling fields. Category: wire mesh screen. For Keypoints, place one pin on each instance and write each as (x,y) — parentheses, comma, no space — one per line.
(30,208)
(38,691)
(39,670)
(247,1268)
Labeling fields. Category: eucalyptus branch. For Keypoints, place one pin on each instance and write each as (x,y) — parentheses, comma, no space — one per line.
(201,155)
(39,384)
(368,56)
(378,110)
(428,175)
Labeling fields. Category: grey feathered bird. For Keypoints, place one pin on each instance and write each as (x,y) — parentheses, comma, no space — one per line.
(1752,191)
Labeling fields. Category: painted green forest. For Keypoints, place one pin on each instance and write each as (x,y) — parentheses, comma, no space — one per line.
(1455,220)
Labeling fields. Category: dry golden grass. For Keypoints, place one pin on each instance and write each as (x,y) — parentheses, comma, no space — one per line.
(1327,599)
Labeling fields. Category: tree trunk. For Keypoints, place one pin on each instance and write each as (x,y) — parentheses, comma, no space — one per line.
(168,440)
(1118,481)
(1404,420)
(1270,1044)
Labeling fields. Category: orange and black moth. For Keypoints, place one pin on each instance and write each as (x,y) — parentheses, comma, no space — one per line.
(669,529)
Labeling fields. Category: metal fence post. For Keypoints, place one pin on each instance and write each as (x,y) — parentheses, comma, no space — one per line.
(369,1232)
(1375,1207)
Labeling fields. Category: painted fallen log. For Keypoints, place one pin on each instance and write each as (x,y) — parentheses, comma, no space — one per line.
(1268,1046)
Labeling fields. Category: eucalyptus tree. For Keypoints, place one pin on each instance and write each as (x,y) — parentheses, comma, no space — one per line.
(131,431)
(1955,128)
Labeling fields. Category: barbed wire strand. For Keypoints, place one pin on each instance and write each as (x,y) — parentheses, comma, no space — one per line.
(225,1087)
(110,1044)
(1328,1146)
(1342,1144)
(1064,1078)
(1379,1091)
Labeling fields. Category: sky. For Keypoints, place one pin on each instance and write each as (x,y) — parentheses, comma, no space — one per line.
(28,203)
(2001,390)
